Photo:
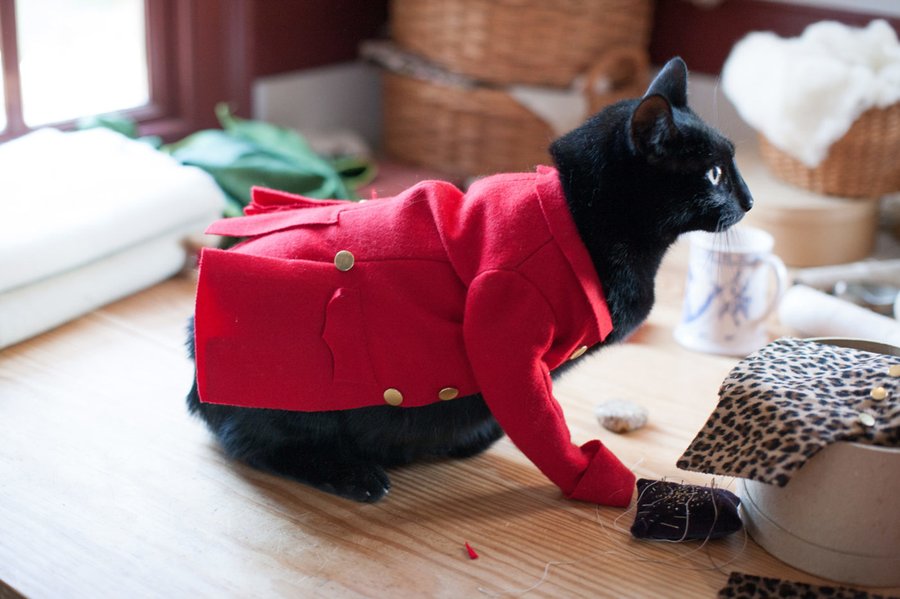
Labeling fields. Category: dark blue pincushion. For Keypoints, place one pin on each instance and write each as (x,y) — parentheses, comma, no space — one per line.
(669,511)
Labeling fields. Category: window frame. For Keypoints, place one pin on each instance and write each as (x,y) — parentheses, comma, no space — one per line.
(198,54)
(11,86)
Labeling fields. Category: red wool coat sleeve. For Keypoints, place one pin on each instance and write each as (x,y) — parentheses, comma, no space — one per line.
(508,329)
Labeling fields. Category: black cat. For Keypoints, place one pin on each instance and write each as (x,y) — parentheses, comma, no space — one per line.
(635,176)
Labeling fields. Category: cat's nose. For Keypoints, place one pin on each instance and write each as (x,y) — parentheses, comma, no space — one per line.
(745,200)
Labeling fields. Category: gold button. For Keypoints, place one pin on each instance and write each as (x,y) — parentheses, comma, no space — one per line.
(578,352)
(393,397)
(448,393)
(878,393)
(866,419)
(344,260)
(894,370)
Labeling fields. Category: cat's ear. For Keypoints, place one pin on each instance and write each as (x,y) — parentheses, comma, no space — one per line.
(671,83)
(653,126)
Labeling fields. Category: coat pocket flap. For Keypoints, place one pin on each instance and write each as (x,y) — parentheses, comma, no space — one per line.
(270,222)
(270,200)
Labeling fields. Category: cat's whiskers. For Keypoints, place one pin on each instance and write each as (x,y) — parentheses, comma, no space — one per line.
(716,101)
(722,244)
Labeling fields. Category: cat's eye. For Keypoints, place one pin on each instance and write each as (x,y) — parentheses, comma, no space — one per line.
(714,175)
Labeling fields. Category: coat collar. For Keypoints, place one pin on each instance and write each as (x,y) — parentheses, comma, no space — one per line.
(562,227)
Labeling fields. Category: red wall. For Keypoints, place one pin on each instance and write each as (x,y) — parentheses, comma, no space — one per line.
(297,34)
(704,36)
(292,34)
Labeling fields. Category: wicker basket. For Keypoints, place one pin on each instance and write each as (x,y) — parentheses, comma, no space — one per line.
(481,130)
(865,163)
(519,41)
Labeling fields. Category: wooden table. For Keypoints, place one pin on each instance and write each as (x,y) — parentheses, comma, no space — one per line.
(109,489)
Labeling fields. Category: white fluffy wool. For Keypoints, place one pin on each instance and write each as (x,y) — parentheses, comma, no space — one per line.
(804,93)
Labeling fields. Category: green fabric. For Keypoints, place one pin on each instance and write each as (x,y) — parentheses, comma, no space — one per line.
(246,153)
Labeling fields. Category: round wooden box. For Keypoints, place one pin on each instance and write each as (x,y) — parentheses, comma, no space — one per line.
(809,229)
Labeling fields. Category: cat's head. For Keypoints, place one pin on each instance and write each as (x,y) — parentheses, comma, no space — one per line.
(651,165)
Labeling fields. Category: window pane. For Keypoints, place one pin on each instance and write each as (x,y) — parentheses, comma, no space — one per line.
(80,57)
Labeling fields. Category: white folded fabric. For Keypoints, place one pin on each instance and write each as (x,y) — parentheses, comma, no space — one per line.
(804,93)
(32,309)
(69,199)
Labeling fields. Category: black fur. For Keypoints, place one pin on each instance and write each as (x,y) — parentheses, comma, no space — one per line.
(635,177)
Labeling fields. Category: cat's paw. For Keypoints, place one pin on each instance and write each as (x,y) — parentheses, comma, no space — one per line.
(364,483)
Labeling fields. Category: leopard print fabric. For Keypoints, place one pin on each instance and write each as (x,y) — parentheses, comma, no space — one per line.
(783,404)
(747,586)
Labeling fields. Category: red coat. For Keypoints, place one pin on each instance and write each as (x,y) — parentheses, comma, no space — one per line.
(441,295)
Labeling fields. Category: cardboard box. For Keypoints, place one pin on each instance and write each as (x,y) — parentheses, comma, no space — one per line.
(839,516)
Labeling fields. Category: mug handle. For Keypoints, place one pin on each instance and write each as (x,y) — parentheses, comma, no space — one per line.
(781,285)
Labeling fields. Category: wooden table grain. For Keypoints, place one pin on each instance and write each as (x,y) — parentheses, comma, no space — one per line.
(109,489)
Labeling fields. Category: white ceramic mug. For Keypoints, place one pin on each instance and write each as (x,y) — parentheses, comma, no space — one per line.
(734,282)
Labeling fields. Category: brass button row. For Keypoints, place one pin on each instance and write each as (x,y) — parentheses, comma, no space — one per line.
(393,396)
(344,261)
(878,394)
